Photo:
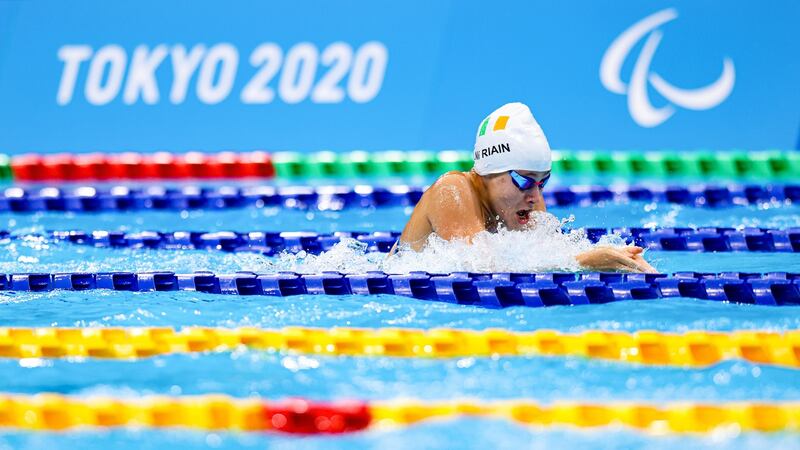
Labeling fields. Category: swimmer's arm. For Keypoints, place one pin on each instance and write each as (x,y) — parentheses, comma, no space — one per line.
(455,212)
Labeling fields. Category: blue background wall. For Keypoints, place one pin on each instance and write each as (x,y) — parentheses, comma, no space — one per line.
(449,64)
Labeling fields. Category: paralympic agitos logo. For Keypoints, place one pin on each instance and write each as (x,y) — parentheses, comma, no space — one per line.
(641,109)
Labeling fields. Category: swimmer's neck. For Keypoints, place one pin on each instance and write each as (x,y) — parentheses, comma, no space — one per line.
(490,217)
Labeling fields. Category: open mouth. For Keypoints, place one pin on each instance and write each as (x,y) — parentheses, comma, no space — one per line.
(523,215)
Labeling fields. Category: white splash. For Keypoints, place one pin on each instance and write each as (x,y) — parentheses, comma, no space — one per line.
(542,247)
(348,256)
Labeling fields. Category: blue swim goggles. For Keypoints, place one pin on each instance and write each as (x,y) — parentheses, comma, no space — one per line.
(524,183)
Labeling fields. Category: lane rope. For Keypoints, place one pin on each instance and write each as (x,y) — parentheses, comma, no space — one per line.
(488,290)
(705,239)
(43,412)
(688,349)
(335,198)
(260,164)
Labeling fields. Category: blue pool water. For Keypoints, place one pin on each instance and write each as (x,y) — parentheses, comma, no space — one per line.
(274,375)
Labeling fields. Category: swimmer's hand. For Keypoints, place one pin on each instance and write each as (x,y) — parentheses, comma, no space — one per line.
(627,259)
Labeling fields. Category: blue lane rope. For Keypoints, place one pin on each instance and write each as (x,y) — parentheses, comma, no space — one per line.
(157,197)
(708,239)
(489,290)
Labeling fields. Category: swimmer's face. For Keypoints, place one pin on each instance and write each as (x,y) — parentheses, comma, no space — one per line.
(511,204)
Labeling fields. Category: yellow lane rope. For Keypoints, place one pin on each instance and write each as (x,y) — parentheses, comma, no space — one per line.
(693,348)
(673,417)
(219,412)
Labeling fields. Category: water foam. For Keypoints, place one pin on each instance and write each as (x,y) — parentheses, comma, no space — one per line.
(544,246)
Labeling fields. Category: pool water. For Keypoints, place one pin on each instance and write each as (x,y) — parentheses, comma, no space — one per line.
(275,375)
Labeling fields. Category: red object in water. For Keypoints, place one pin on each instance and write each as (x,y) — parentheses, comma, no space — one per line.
(203,166)
(132,166)
(214,167)
(116,169)
(304,417)
(257,164)
(59,167)
(27,167)
(166,165)
(231,165)
(92,166)
(137,166)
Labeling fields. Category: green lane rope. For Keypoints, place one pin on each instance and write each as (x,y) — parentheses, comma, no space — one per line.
(5,168)
(758,165)
(360,163)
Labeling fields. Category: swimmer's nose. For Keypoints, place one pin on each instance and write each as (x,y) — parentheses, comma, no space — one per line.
(533,194)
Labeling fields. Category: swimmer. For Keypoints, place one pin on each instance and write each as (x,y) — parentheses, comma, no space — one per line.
(512,164)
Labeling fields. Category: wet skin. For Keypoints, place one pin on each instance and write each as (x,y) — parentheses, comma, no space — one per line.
(461,204)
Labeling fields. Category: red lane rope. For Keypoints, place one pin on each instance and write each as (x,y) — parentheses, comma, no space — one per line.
(137,166)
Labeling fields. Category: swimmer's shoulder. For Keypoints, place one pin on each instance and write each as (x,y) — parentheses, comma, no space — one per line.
(439,203)
(454,182)
(451,193)
(450,208)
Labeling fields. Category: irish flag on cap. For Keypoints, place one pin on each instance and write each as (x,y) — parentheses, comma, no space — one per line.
(499,124)
(511,139)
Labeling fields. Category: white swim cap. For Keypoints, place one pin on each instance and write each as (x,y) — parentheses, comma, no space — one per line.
(511,139)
